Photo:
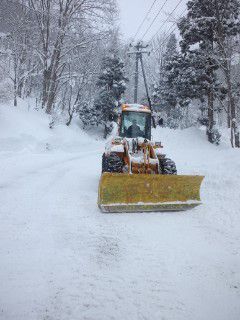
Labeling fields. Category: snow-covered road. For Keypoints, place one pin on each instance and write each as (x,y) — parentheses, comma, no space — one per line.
(62,259)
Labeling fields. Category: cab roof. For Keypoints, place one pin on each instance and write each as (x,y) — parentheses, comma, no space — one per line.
(136,108)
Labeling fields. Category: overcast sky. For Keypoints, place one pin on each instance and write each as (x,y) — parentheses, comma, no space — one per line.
(134,11)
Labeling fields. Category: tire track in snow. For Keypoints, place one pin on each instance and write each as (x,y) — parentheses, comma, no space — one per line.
(49,166)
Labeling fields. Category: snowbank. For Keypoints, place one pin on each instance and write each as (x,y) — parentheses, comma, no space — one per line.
(26,130)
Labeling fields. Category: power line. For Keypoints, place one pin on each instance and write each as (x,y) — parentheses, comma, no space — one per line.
(171,32)
(155,18)
(169,35)
(180,16)
(145,18)
(178,4)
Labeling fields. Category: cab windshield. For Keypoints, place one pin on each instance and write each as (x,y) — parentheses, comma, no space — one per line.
(136,124)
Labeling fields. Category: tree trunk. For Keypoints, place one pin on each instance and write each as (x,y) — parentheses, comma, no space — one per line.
(46,80)
(15,93)
(51,99)
(15,81)
(210,97)
(228,114)
(69,120)
(210,116)
(52,75)
(20,90)
(235,136)
(235,139)
(49,92)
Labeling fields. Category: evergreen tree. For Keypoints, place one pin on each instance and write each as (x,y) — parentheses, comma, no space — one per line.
(171,48)
(167,89)
(167,92)
(207,26)
(161,93)
(112,85)
(194,31)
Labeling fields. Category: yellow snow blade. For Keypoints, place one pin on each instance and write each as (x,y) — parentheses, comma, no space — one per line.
(142,192)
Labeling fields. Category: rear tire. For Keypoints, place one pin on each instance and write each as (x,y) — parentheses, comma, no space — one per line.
(168,166)
(112,163)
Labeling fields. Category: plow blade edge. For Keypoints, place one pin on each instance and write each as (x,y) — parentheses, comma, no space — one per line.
(143,192)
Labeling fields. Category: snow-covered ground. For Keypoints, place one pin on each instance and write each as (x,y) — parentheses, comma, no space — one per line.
(62,259)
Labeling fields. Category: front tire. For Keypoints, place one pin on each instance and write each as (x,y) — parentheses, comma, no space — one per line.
(168,166)
(112,163)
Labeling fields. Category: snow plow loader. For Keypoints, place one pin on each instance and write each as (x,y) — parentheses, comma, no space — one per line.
(137,176)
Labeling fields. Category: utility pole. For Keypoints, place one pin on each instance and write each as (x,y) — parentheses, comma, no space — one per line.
(138,52)
(136,79)
(145,82)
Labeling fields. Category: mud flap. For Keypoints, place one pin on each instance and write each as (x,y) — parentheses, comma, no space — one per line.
(142,192)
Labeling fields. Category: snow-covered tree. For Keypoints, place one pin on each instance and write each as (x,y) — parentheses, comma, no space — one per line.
(206,29)
(161,92)
(166,91)
(18,61)
(111,85)
(199,33)
(58,38)
(171,48)
(45,40)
